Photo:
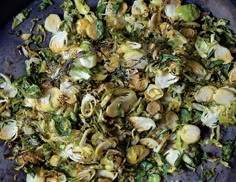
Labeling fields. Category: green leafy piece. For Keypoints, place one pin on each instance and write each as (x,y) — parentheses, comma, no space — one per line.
(185,116)
(193,156)
(62,125)
(33,91)
(27,88)
(38,39)
(146,165)
(20,18)
(141,177)
(227,151)
(188,12)
(220,27)
(101,7)
(207,174)
(154,178)
(212,64)
(44,4)
(80,73)
(167,57)
(205,47)
(48,56)
(6,87)
(100,29)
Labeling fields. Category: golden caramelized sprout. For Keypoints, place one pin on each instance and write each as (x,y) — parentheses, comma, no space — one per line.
(9,130)
(224,54)
(153,92)
(121,101)
(52,23)
(58,42)
(136,154)
(123,92)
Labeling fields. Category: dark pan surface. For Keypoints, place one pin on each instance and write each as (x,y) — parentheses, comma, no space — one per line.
(12,63)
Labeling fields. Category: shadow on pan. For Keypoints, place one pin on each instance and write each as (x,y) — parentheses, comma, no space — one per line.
(13,64)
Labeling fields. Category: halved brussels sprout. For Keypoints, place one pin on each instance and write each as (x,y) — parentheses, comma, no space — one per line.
(129,46)
(112,160)
(88,58)
(205,46)
(224,96)
(142,123)
(197,69)
(8,87)
(110,143)
(222,53)
(172,155)
(205,94)
(95,30)
(154,107)
(52,23)
(153,92)
(70,91)
(131,58)
(58,42)
(62,125)
(188,12)
(149,142)
(88,105)
(139,8)
(86,175)
(81,26)
(82,154)
(170,8)
(122,101)
(113,63)
(135,154)
(116,22)
(170,120)
(50,101)
(90,26)
(188,32)
(8,130)
(138,83)
(210,117)
(176,39)
(190,133)
(80,73)
(165,79)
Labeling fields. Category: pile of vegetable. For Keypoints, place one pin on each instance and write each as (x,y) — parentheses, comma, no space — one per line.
(121,93)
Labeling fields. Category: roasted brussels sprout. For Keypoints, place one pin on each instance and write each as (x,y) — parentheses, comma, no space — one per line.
(122,92)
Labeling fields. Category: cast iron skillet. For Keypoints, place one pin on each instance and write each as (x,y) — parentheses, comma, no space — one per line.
(13,64)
